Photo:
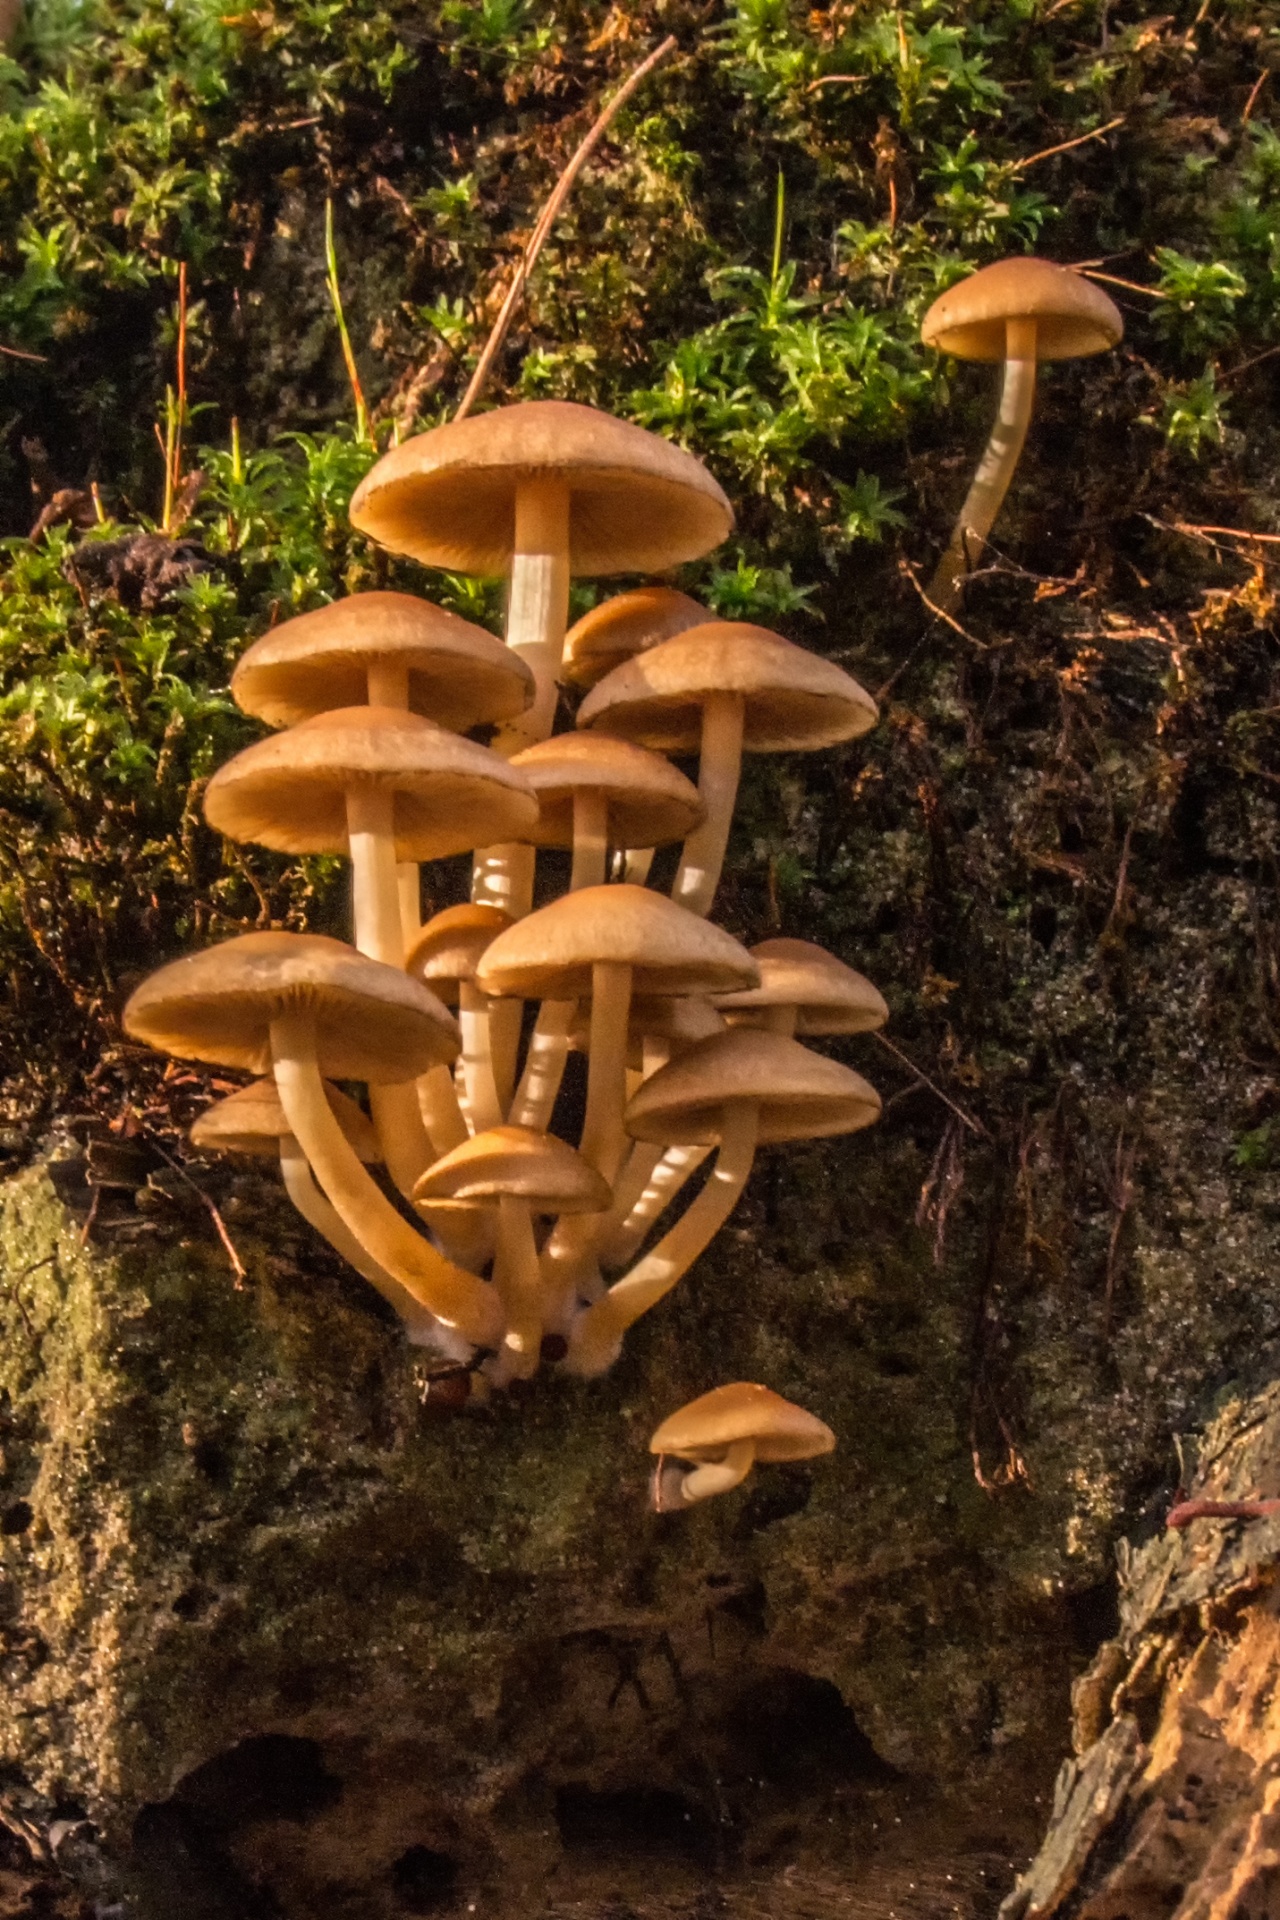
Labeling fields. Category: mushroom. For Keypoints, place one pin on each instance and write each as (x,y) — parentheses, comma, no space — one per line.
(716,690)
(519,1173)
(303,1005)
(723,1434)
(252,1121)
(628,623)
(594,792)
(445,956)
(384,784)
(539,490)
(1017,311)
(804,989)
(732,1091)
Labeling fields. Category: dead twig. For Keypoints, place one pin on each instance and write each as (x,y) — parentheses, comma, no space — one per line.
(1188,1510)
(1252,101)
(19,353)
(1064,146)
(905,566)
(206,1201)
(547,220)
(966,1119)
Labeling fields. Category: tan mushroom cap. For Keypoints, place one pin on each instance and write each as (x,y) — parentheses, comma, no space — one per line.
(793,699)
(1073,316)
(372,1021)
(551,953)
(800,1095)
(628,623)
(650,802)
(743,1410)
(459,675)
(289,792)
(518,1163)
(828,996)
(450,946)
(252,1121)
(447,497)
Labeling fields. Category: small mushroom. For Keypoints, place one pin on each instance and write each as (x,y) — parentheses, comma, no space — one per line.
(1018,311)
(302,1005)
(594,793)
(804,990)
(716,690)
(722,1434)
(628,623)
(520,1173)
(253,1121)
(445,956)
(732,1092)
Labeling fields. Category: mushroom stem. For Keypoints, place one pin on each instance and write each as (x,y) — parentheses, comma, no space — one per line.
(596,1339)
(389,684)
(483,1107)
(409,889)
(781,1020)
(538,604)
(375,891)
(719,1476)
(502,876)
(603,1134)
(441,1114)
(506,1017)
(518,1280)
(535,1097)
(719,767)
(995,469)
(453,1295)
(422,1329)
(406,1146)
(636,863)
(590,838)
(668,1172)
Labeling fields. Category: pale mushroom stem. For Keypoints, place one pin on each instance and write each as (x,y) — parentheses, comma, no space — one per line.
(375,889)
(537,615)
(506,1018)
(719,768)
(670,1173)
(518,1279)
(596,1339)
(422,1329)
(483,1107)
(453,1295)
(590,838)
(409,888)
(441,1114)
(636,863)
(603,1134)
(995,469)
(407,1150)
(719,1476)
(535,1097)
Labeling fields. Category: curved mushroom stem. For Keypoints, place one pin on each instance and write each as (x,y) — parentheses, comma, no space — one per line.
(483,1107)
(402,1135)
(441,1114)
(719,768)
(668,1174)
(518,1280)
(995,469)
(596,1339)
(453,1295)
(719,1476)
(590,838)
(422,1329)
(535,1097)
(603,1134)
(375,889)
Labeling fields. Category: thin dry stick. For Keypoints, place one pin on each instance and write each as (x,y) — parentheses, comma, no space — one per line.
(1252,101)
(967,1119)
(905,566)
(1065,146)
(17,353)
(206,1201)
(1114,280)
(550,212)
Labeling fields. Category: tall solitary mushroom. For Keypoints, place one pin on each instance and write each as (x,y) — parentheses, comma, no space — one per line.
(302,1006)
(1018,311)
(716,690)
(539,491)
(722,1434)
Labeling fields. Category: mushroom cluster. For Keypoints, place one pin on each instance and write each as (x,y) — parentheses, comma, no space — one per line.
(450,1185)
